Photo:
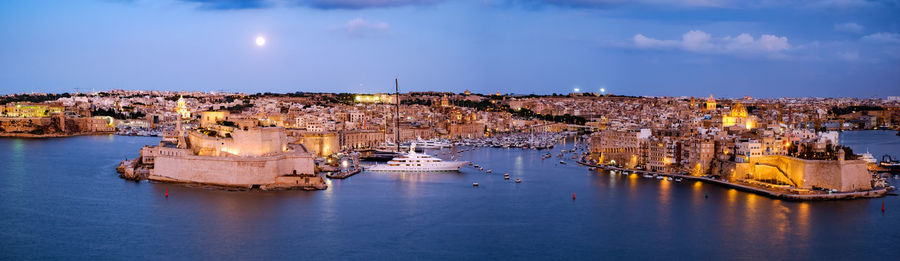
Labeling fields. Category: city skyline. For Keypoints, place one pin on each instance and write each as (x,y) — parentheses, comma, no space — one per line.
(642,48)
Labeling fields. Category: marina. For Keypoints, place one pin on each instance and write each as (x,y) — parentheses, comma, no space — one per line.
(537,192)
(450,130)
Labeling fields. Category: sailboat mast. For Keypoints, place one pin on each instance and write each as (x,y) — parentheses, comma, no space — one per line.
(397,102)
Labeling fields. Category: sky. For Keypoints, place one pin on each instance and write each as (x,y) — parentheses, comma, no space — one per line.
(728,48)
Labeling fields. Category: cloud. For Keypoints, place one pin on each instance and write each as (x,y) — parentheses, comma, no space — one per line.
(363,4)
(850,56)
(702,42)
(883,37)
(603,4)
(318,4)
(361,27)
(841,3)
(229,4)
(848,27)
(695,40)
(646,42)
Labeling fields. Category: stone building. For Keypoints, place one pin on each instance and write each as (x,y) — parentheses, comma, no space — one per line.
(256,157)
(356,139)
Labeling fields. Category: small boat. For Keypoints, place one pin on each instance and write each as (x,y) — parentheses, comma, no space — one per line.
(518,181)
(592,168)
(647,176)
(475,184)
(659,177)
(506,176)
(678,180)
(669,178)
(562,162)
(488,171)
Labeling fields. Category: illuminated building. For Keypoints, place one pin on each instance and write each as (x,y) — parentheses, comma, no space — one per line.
(738,117)
(24,110)
(620,146)
(182,109)
(701,154)
(445,102)
(711,103)
(233,155)
(372,98)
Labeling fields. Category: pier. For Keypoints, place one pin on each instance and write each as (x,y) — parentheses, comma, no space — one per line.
(343,174)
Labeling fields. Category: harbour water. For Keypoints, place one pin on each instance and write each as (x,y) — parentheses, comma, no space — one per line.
(62,199)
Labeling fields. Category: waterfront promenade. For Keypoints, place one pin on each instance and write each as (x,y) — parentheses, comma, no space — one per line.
(875,193)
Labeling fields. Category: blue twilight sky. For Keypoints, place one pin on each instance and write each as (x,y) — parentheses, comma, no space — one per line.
(732,48)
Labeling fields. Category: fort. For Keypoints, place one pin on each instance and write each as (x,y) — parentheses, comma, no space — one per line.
(234,153)
(839,175)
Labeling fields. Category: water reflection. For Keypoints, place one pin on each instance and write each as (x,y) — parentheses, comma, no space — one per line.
(781,221)
(665,206)
(697,197)
(412,214)
(15,163)
(802,217)
(519,164)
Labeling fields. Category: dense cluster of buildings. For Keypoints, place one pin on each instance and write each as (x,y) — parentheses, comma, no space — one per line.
(741,138)
(778,142)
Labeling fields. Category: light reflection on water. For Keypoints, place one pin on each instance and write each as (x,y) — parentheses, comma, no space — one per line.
(665,206)
(412,215)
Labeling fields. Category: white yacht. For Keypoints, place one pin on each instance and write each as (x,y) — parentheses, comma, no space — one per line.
(418,162)
(868,158)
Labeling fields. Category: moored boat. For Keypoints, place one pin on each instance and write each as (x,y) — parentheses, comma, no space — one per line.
(418,162)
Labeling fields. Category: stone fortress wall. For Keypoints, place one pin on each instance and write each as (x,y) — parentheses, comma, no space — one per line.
(252,142)
(230,171)
(57,124)
(256,157)
(842,175)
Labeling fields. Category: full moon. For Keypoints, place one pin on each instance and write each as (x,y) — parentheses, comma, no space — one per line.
(260,41)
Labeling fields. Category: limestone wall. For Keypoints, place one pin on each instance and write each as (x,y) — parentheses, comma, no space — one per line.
(24,125)
(254,142)
(55,126)
(230,171)
(848,175)
(260,141)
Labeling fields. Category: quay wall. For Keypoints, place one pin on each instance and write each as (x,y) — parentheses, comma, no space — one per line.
(728,166)
(230,171)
